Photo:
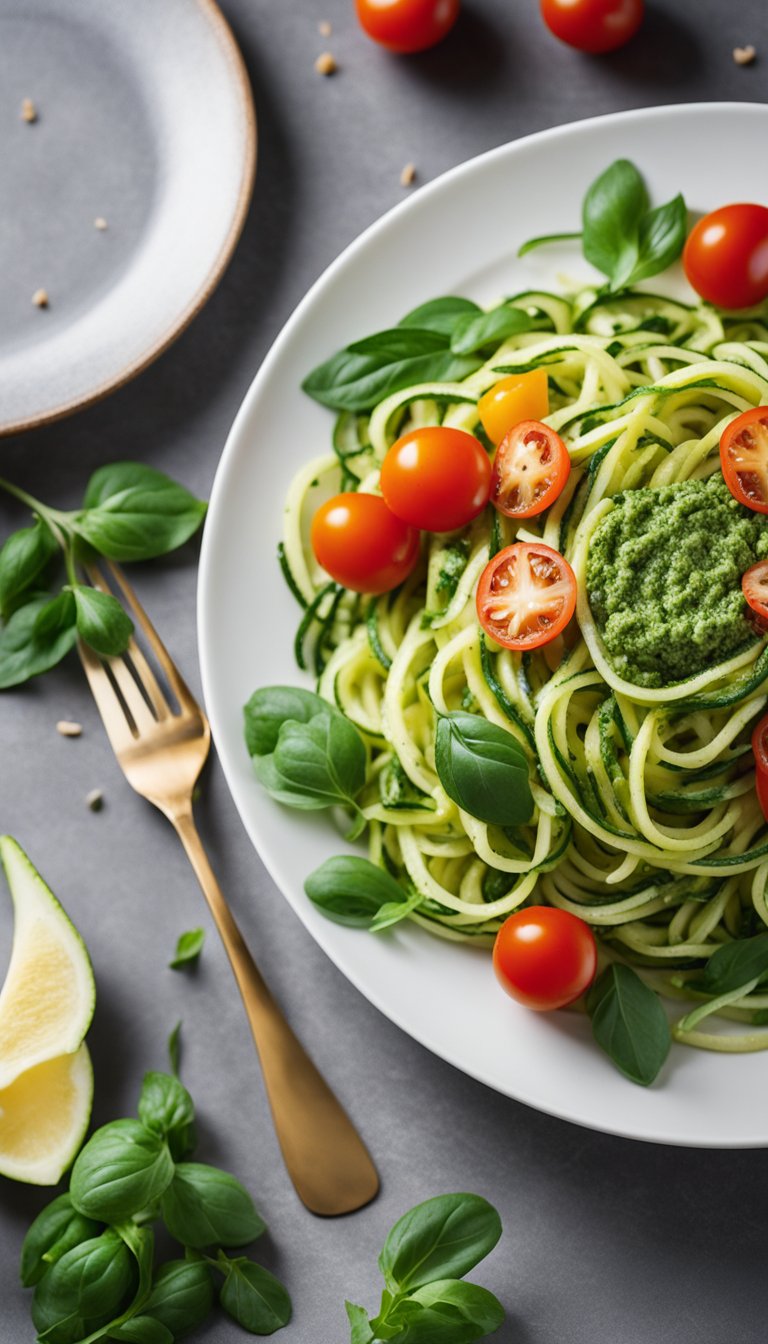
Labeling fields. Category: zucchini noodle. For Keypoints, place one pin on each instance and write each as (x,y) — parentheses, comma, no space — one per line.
(646,823)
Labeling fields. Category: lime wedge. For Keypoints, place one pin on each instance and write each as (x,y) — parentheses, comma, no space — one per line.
(48,998)
(43,1118)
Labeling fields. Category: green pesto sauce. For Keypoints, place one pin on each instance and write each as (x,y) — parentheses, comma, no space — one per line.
(664,579)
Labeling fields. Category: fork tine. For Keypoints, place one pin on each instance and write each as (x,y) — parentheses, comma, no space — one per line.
(175,679)
(144,672)
(111,711)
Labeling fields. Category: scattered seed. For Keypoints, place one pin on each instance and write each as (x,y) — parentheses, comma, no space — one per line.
(40,298)
(100,222)
(408,175)
(325,64)
(68,728)
(28,110)
(744,55)
(324,28)
(95,800)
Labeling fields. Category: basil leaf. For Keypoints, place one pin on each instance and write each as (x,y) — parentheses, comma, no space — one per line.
(174,1048)
(188,948)
(133,512)
(122,1169)
(101,621)
(395,911)
(360,1326)
(166,1109)
(182,1295)
(475,1305)
(142,1330)
(253,1297)
(204,1207)
(268,709)
(360,376)
(444,1237)
(26,652)
(612,209)
(56,1229)
(629,1023)
(23,560)
(734,964)
(316,764)
(661,238)
(84,1290)
(352,890)
(476,331)
(441,315)
(483,769)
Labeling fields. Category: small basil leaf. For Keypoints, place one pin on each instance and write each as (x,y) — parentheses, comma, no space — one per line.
(101,621)
(440,315)
(56,1229)
(736,963)
(188,948)
(254,1298)
(444,1237)
(661,239)
(360,1326)
(268,709)
(323,761)
(88,1285)
(483,769)
(142,1330)
(166,1109)
(629,1023)
(352,890)
(133,512)
(24,652)
(181,1297)
(59,614)
(474,1304)
(612,210)
(122,1169)
(395,911)
(23,560)
(174,1048)
(204,1207)
(360,376)
(474,332)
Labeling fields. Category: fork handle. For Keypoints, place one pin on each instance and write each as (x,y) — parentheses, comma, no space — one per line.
(325,1156)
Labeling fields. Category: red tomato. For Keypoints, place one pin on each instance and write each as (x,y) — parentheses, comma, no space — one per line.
(436,478)
(754,586)
(545,957)
(361,543)
(726,256)
(530,470)
(407,25)
(760,749)
(526,595)
(521,396)
(593,25)
(744,458)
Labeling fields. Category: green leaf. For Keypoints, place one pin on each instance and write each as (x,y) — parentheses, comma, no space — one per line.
(629,1023)
(442,315)
(444,1237)
(188,948)
(360,376)
(101,621)
(317,764)
(122,1169)
(167,1109)
(395,911)
(476,331)
(661,239)
(26,652)
(142,1330)
(447,1312)
(360,1326)
(174,1048)
(735,964)
(352,890)
(24,559)
(85,1289)
(182,1296)
(612,210)
(483,769)
(269,708)
(474,1304)
(56,1229)
(133,512)
(253,1297)
(204,1206)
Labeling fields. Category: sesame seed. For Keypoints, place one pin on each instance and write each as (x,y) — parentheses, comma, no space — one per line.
(40,298)
(68,728)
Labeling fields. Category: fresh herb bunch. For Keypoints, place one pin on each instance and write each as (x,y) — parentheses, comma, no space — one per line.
(424,1260)
(130,512)
(621,235)
(90,1254)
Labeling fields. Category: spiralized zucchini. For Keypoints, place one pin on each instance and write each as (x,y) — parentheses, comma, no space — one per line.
(646,823)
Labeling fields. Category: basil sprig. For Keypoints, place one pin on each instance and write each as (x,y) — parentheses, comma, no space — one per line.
(425,1257)
(621,235)
(353,891)
(483,769)
(629,1023)
(130,512)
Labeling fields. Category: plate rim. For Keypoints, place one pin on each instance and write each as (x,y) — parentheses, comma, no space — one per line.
(224,35)
(226,464)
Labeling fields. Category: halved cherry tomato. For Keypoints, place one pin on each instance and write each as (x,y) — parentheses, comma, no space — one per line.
(754,586)
(545,957)
(744,458)
(760,749)
(407,25)
(361,543)
(529,471)
(526,595)
(521,396)
(436,478)
(595,26)
(726,256)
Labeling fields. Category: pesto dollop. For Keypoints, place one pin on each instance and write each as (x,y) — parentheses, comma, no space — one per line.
(664,579)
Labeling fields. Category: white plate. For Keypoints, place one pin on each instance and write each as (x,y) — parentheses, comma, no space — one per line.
(456,236)
(145,120)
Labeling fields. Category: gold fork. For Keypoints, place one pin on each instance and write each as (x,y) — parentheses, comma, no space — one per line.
(162,751)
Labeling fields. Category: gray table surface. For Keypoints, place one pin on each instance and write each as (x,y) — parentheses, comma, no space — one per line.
(604,1239)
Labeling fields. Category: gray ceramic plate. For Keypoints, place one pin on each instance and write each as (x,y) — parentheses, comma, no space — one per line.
(145,121)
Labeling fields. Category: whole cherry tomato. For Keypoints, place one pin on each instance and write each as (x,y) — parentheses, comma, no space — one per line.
(436,478)
(407,25)
(595,26)
(726,256)
(545,957)
(361,543)
(521,396)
